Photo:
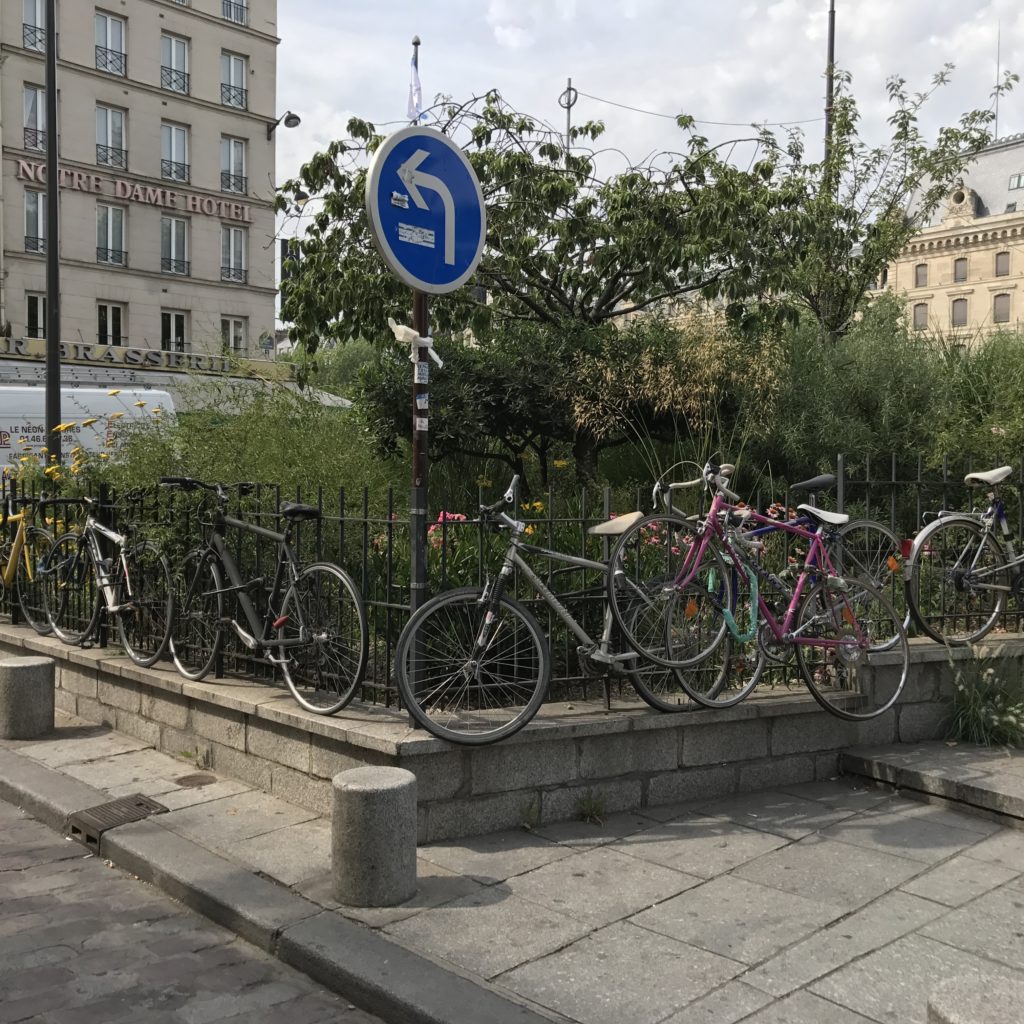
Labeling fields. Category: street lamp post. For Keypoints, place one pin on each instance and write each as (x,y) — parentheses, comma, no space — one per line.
(53,438)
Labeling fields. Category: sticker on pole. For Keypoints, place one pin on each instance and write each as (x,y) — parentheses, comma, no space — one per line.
(426,210)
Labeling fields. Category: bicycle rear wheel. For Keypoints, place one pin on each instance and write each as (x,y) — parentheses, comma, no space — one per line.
(872,552)
(957,581)
(71,595)
(461,691)
(848,621)
(198,605)
(144,593)
(29,579)
(324,609)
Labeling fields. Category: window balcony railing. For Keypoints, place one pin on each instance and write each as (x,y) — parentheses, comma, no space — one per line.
(112,257)
(234,96)
(173,79)
(35,139)
(233,182)
(170,266)
(34,37)
(237,275)
(112,61)
(111,156)
(174,171)
(35,244)
(117,340)
(236,12)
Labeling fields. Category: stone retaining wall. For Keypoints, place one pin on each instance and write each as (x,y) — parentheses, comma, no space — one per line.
(573,760)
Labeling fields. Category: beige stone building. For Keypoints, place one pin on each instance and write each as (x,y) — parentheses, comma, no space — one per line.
(963,273)
(167,110)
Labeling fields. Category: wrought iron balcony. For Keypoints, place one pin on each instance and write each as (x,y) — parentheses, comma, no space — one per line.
(173,79)
(237,275)
(169,266)
(234,96)
(33,37)
(111,156)
(233,182)
(236,12)
(174,171)
(35,139)
(35,244)
(112,257)
(113,61)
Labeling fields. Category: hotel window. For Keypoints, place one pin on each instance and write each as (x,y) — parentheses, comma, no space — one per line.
(174,152)
(960,270)
(921,275)
(1001,309)
(35,117)
(233,90)
(35,315)
(111,318)
(959,316)
(233,335)
(35,221)
(174,63)
(1016,180)
(173,330)
(110,235)
(232,165)
(33,25)
(234,242)
(111,139)
(920,316)
(174,245)
(110,52)
(236,11)
(1002,264)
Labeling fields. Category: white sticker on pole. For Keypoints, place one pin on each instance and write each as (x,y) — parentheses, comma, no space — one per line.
(423,373)
(420,423)
(422,402)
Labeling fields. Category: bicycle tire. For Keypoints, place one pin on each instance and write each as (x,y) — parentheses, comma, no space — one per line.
(465,700)
(71,594)
(939,590)
(144,583)
(31,599)
(646,560)
(198,603)
(840,678)
(870,550)
(324,604)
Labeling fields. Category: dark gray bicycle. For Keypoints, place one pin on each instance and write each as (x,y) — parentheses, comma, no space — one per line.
(312,624)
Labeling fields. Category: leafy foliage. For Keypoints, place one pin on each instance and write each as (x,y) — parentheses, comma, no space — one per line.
(987,706)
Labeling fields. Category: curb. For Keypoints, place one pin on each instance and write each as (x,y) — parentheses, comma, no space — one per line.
(350,959)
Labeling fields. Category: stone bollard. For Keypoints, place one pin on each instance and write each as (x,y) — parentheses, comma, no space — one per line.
(26,697)
(373,837)
(977,1000)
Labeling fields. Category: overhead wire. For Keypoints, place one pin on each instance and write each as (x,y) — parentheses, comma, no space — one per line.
(699,120)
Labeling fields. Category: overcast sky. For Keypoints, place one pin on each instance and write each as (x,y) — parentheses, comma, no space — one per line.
(719,60)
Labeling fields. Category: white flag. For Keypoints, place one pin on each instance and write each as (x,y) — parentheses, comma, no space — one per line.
(415,108)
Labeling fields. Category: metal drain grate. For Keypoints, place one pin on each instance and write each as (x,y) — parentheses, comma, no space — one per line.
(87,826)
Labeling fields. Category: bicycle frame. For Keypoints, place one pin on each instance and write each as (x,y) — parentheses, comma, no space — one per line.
(816,559)
(994,515)
(18,549)
(89,539)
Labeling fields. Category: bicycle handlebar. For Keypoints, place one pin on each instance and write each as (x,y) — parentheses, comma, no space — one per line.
(187,483)
(508,498)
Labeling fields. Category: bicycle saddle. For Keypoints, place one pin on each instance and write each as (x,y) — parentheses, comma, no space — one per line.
(816,483)
(993,476)
(821,516)
(296,513)
(615,527)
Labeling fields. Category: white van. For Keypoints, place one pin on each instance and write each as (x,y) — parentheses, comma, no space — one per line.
(93,415)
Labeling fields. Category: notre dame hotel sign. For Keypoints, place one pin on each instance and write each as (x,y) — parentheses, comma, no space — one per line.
(119,188)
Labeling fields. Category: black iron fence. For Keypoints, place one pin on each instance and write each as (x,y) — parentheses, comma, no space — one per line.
(369,536)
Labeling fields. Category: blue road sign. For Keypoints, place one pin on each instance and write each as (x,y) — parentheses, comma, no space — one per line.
(426,210)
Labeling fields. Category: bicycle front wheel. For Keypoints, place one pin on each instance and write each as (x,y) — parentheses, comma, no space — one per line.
(71,595)
(198,605)
(29,580)
(957,581)
(144,595)
(841,623)
(325,621)
(872,552)
(479,675)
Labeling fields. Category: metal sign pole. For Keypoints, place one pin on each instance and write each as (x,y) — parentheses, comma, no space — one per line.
(420,455)
(53,438)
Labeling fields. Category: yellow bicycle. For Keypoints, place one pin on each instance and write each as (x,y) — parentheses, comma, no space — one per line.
(23,553)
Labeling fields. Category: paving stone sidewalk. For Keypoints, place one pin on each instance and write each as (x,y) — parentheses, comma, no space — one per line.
(822,903)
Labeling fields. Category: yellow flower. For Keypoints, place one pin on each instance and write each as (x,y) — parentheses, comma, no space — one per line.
(90,422)
(104,455)
(529,531)
(22,440)
(139,404)
(24,459)
(538,506)
(114,391)
(116,415)
(53,472)
(560,463)
(61,427)
(76,450)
